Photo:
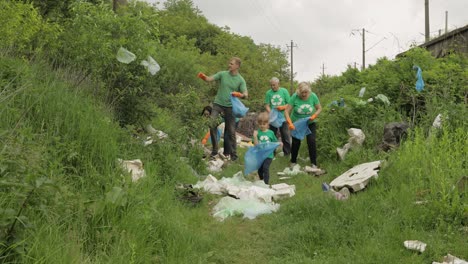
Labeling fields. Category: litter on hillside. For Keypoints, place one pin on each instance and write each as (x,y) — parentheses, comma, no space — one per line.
(449,259)
(125,56)
(356,138)
(415,245)
(357,177)
(135,167)
(245,197)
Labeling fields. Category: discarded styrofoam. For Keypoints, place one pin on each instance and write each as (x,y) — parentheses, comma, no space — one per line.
(357,177)
(449,259)
(283,190)
(415,245)
(135,167)
(315,171)
(215,165)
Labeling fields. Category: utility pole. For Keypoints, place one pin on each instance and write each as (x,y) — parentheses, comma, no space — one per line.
(446,21)
(426,8)
(363,49)
(323,69)
(292,72)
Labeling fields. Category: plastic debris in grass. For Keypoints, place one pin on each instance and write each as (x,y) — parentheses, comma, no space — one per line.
(342,194)
(253,198)
(449,259)
(276,118)
(135,167)
(362,91)
(151,65)
(291,171)
(256,155)
(437,121)
(356,139)
(302,128)
(125,56)
(383,99)
(415,245)
(250,209)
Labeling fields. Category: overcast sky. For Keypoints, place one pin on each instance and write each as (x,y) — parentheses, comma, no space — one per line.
(329,32)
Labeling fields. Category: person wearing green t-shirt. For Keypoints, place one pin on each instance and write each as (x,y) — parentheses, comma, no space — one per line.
(304,103)
(277,98)
(262,135)
(230,83)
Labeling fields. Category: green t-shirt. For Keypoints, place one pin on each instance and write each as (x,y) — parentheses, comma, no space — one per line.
(278,98)
(227,84)
(303,108)
(267,136)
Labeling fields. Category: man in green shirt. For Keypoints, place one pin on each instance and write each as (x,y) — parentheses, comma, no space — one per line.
(230,83)
(277,98)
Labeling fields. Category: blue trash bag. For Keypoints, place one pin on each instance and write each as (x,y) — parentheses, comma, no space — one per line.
(255,156)
(302,128)
(276,118)
(419,81)
(238,108)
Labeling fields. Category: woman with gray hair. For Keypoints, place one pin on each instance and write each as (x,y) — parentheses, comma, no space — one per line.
(277,98)
(304,103)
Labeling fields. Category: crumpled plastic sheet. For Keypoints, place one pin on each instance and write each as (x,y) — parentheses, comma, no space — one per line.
(254,198)
(291,171)
(229,206)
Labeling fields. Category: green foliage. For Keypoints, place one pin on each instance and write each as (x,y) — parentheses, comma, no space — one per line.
(23,29)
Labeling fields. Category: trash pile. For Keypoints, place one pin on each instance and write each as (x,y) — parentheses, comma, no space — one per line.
(244,197)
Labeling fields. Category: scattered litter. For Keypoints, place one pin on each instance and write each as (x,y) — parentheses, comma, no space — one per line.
(135,167)
(148,141)
(314,170)
(215,165)
(186,193)
(449,259)
(229,206)
(357,177)
(244,197)
(158,133)
(437,121)
(356,139)
(415,245)
(283,190)
(362,91)
(288,171)
(151,65)
(393,134)
(125,56)
(284,178)
(342,194)
(420,202)
(383,99)
(419,81)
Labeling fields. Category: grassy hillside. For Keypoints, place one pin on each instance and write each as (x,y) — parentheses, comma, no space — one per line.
(64,199)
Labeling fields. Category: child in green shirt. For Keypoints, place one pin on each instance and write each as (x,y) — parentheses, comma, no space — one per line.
(262,135)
